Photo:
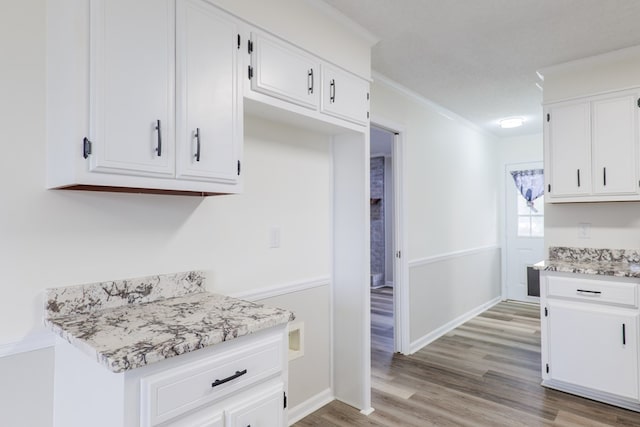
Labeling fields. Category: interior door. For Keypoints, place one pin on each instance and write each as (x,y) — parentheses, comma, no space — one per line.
(524,235)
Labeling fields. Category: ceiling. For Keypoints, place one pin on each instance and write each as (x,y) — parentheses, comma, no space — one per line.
(478,58)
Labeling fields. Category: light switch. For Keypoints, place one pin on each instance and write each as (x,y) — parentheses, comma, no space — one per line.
(274,237)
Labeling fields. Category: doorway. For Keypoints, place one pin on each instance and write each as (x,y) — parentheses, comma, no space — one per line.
(524,214)
(389,318)
(381,239)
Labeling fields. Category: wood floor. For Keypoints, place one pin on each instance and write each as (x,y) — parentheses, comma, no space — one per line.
(484,373)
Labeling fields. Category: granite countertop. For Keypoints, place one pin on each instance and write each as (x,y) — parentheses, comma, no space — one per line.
(604,262)
(131,323)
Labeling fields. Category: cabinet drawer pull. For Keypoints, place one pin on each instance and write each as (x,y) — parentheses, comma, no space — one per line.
(588,292)
(624,334)
(159,147)
(332,91)
(197,135)
(578,177)
(604,176)
(231,378)
(310,81)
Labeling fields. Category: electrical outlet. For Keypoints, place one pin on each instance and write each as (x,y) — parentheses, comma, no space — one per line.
(584,230)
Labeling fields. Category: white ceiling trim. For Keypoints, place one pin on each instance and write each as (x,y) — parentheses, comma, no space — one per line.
(446,113)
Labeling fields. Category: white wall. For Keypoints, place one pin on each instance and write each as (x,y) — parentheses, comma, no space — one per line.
(613,225)
(452,197)
(309,374)
(58,238)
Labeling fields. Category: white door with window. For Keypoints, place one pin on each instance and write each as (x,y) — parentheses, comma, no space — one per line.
(524,226)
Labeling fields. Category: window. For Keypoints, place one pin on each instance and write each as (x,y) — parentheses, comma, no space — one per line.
(530,218)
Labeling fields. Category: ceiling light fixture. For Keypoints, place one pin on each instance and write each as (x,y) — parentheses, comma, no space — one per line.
(511,122)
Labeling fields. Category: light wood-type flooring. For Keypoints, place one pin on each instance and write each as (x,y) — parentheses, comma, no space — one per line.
(484,373)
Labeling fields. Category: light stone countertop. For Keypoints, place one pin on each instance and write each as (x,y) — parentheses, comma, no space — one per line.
(603,262)
(128,324)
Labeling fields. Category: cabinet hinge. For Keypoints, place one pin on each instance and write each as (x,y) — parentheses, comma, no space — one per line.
(546,312)
(249,46)
(547,368)
(238,167)
(548,117)
(285,399)
(250,72)
(86,147)
(239,42)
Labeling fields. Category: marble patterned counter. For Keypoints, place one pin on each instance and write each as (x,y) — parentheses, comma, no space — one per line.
(131,323)
(604,262)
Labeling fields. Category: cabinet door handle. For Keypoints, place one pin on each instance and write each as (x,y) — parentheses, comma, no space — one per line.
(578,177)
(231,378)
(197,135)
(159,147)
(310,80)
(332,91)
(588,292)
(604,176)
(624,334)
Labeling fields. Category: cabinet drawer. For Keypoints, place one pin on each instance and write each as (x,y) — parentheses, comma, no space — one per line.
(176,391)
(600,291)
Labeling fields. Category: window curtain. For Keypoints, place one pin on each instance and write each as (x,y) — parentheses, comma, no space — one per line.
(530,183)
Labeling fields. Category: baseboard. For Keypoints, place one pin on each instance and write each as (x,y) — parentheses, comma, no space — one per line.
(35,341)
(448,327)
(310,405)
(286,288)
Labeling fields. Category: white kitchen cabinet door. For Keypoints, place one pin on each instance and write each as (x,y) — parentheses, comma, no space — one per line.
(132,87)
(283,71)
(203,418)
(265,409)
(209,127)
(594,347)
(568,142)
(344,95)
(615,136)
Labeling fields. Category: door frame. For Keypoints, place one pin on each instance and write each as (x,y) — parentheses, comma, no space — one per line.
(401,317)
(538,164)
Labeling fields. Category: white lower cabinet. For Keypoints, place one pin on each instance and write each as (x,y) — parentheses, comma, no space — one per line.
(263,408)
(242,382)
(590,338)
(594,347)
(260,410)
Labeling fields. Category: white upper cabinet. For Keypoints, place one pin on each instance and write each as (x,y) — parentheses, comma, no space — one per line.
(209,131)
(344,95)
(132,85)
(569,134)
(281,70)
(162,112)
(282,75)
(615,146)
(591,148)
